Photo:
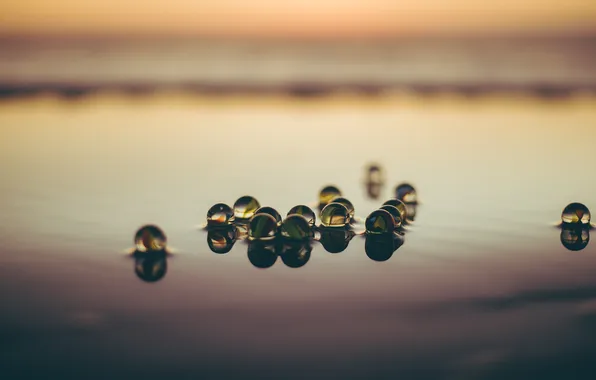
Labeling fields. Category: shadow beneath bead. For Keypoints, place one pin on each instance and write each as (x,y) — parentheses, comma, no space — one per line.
(296,254)
(381,247)
(221,240)
(575,238)
(335,239)
(263,254)
(150,266)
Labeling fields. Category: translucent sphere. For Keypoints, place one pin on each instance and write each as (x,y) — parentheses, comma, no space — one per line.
(576,213)
(221,240)
(261,254)
(575,239)
(327,194)
(262,227)
(220,215)
(394,213)
(150,238)
(335,215)
(400,206)
(245,207)
(380,222)
(406,193)
(151,267)
(269,211)
(296,255)
(296,227)
(306,212)
(347,203)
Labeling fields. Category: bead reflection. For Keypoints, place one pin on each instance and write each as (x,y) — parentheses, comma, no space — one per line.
(327,194)
(306,212)
(406,193)
(245,207)
(296,255)
(335,240)
(150,238)
(380,222)
(262,254)
(221,240)
(576,213)
(575,238)
(269,211)
(347,204)
(150,266)
(397,218)
(382,247)
(220,215)
(335,215)
(295,227)
(262,227)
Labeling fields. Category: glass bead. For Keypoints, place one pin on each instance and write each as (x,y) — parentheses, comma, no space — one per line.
(394,213)
(406,193)
(262,227)
(306,212)
(296,227)
(150,238)
(576,213)
(400,206)
(220,215)
(327,194)
(380,222)
(269,211)
(245,207)
(335,215)
(347,203)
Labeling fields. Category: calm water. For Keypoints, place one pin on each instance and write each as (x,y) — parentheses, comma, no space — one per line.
(481,288)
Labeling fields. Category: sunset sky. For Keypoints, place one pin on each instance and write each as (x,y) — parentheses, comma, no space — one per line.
(295,18)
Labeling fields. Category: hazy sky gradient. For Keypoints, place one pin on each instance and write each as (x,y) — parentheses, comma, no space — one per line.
(296,18)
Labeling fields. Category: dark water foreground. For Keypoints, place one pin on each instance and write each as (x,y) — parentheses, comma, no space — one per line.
(482,286)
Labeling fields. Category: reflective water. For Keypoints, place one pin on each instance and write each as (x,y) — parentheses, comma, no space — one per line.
(482,286)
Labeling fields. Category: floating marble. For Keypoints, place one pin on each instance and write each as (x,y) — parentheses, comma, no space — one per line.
(380,222)
(575,238)
(269,211)
(406,193)
(347,203)
(400,206)
(296,255)
(245,207)
(327,194)
(150,238)
(335,215)
(306,212)
(220,215)
(262,227)
(221,240)
(151,267)
(261,254)
(296,227)
(576,213)
(335,240)
(397,218)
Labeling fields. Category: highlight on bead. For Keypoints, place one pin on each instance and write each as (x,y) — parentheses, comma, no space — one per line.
(245,207)
(270,211)
(150,238)
(262,227)
(295,227)
(344,201)
(576,213)
(394,213)
(220,214)
(306,212)
(400,206)
(380,222)
(327,194)
(406,193)
(335,215)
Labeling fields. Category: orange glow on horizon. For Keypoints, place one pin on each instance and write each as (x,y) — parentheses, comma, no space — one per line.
(293,18)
